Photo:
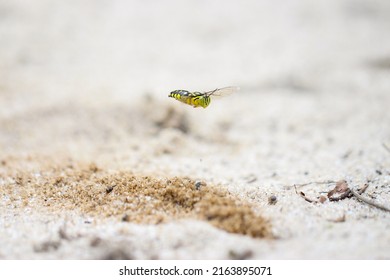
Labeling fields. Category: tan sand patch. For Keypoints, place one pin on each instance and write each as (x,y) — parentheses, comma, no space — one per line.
(133,198)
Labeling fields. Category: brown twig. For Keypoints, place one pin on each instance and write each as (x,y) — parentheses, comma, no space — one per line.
(310,183)
(302,194)
(369,201)
(362,190)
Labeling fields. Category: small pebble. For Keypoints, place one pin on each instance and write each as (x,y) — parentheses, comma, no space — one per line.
(272,199)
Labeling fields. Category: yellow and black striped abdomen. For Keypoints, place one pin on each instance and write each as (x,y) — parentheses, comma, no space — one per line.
(195,99)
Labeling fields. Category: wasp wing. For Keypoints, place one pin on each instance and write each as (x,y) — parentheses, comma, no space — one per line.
(219,92)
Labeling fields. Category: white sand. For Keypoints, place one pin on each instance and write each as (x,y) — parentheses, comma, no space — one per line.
(87,81)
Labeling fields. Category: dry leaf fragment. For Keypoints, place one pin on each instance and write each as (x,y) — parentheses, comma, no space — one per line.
(340,191)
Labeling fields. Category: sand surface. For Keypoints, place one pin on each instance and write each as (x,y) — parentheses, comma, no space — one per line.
(96,162)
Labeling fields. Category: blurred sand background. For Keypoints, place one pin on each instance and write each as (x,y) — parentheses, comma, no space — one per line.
(98,163)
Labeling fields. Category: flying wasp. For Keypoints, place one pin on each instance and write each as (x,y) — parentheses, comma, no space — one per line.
(200,99)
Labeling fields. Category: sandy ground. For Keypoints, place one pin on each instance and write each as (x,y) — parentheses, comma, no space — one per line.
(96,162)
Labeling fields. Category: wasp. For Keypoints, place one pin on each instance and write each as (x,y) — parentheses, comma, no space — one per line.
(200,99)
